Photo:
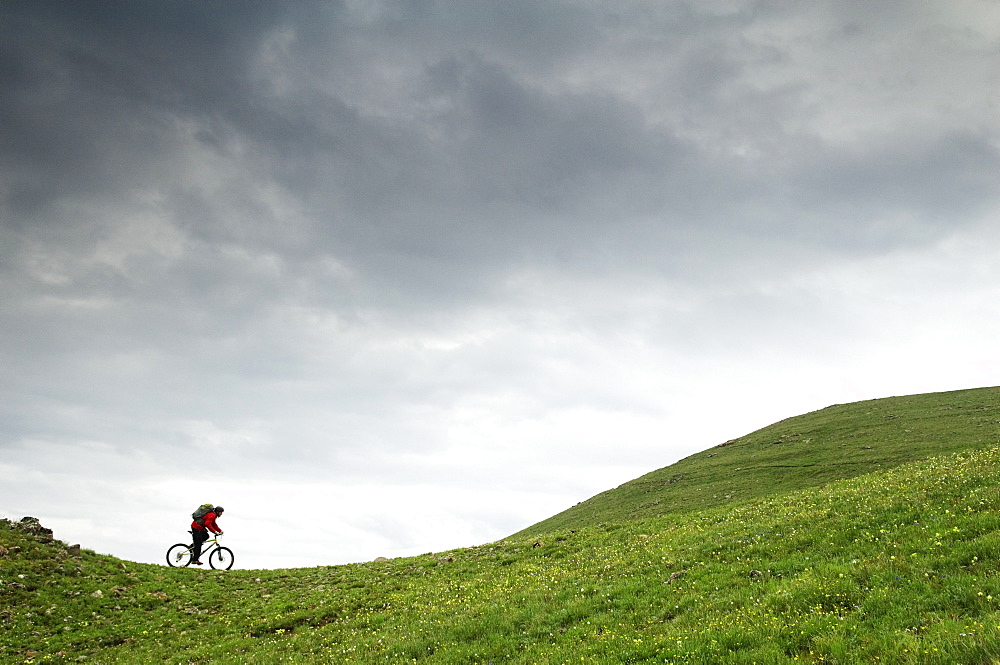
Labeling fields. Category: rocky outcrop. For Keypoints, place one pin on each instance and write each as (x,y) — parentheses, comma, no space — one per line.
(33,527)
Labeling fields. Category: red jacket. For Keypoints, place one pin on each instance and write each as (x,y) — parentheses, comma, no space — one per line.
(210,524)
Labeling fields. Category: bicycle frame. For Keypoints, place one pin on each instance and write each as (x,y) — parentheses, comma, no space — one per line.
(209,545)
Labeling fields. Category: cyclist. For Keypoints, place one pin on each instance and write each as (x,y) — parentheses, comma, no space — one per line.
(200,529)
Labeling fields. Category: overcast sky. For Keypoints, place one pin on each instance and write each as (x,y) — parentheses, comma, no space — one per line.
(385,278)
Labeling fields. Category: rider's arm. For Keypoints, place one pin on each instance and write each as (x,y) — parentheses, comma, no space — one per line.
(210,523)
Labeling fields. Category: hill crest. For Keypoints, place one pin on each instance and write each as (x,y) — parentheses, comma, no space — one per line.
(837,442)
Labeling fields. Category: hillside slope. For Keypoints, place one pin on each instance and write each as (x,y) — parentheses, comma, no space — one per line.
(895,567)
(841,441)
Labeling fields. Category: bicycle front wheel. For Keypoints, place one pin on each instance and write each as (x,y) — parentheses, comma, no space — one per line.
(179,555)
(221,558)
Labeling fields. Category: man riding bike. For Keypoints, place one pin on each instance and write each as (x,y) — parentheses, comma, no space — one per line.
(200,529)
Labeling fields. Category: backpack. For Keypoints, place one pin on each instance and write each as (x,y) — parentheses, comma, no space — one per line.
(199,515)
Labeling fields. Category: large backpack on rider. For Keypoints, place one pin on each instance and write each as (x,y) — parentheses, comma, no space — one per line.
(199,515)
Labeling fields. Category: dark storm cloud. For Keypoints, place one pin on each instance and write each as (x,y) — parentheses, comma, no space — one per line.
(409,156)
(108,104)
(421,136)
(90,88)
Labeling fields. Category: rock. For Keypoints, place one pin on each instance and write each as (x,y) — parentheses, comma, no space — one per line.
(380,559)
(31,526)
(674,576)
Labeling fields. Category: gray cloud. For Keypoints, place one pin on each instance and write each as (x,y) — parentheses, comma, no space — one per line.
(347,251)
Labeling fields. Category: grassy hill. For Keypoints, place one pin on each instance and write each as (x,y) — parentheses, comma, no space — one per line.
(897,564)
(837,442)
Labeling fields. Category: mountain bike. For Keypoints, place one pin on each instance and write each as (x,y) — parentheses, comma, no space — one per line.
(219,557)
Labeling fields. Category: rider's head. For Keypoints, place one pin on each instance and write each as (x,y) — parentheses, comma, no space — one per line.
(219,510)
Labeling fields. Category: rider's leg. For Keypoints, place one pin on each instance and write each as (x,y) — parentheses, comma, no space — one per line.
(199,538)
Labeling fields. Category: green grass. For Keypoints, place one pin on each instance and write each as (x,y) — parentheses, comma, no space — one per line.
(897,565)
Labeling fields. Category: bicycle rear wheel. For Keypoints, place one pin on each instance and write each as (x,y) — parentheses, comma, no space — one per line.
(179,555)
(221,558)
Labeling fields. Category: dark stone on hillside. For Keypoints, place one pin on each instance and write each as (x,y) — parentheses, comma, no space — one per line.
(31,526)
(73,550)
